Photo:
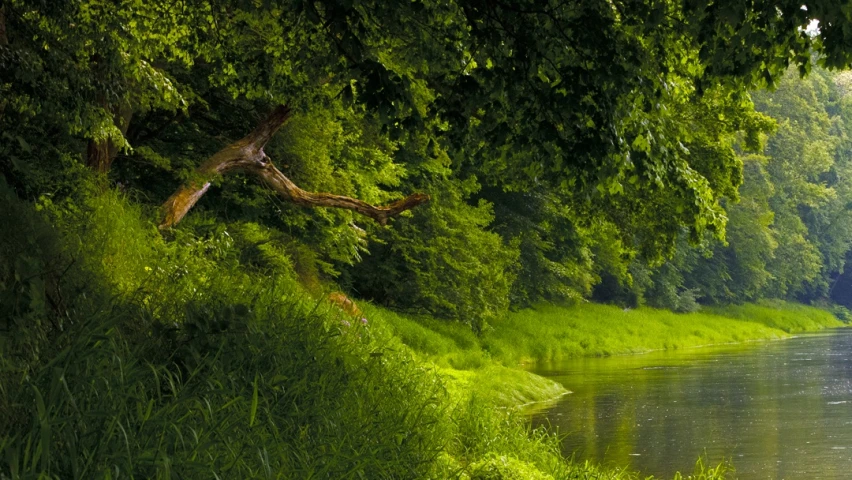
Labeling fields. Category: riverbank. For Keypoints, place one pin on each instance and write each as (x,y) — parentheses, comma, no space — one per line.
(178,357)
(487,365)
(489,369)
(550,333)
(774,409)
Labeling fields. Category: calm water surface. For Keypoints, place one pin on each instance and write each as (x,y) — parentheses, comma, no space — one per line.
(777,410)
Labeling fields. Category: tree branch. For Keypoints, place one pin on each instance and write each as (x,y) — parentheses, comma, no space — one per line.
(285,187)
(247,155)
(261,135)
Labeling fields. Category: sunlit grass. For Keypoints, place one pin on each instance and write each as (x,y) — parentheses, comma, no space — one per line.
(550,332)
(786,316)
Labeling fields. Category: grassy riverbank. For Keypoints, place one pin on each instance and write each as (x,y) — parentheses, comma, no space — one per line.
(126,355)
(123,354)
(549,332)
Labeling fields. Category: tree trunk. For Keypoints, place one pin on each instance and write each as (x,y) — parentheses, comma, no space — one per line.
(247,155)
(4,39)
(101,153)
(4,42)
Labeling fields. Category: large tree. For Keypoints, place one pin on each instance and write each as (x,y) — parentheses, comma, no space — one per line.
(582,99)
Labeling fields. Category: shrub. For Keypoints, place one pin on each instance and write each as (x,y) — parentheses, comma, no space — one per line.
(441,260)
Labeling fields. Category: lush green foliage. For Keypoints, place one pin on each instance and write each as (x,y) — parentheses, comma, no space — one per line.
(571,149)
(223,365)
(789,233)
(443,260)
(554,154)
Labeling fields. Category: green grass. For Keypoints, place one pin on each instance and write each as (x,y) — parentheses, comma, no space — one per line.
(466,369)
(153,358)
(785,316)
(447,344)
(135,356)
(552,333)
(549,332)
(501,386)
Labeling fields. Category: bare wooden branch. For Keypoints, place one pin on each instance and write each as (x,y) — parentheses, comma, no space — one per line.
(247,155)
(261,135)
(285,187)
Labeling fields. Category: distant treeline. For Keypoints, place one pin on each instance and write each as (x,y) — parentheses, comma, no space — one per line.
(789,229)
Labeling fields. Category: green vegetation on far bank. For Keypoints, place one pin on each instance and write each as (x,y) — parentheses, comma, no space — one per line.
(549,332)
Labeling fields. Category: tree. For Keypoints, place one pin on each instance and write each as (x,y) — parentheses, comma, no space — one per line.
(801,158)
(614,120)
(247,155)
(789,234)
(528,91)
(125,66)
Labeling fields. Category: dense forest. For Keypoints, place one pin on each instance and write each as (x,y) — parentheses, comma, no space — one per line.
(787,232)
(184,183)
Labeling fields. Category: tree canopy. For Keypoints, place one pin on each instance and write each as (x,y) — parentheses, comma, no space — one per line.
(570,136)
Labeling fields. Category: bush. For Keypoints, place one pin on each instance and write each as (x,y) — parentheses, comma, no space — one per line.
(842,313)
(441,260)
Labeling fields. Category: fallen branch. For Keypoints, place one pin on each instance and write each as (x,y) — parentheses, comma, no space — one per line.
(247,155)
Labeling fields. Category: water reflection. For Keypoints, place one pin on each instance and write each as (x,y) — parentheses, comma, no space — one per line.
(778,410)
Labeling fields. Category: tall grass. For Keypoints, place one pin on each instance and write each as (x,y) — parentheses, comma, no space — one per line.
(447,344)
(194,368)
(785,316)
(173,360)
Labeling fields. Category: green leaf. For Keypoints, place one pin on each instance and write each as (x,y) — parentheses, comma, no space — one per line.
(44,427)
(641,144)
(253,412)
(24,145)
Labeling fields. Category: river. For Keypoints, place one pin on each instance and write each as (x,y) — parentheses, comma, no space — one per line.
(776,410)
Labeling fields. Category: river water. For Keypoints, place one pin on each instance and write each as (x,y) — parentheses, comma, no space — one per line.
(776,410)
